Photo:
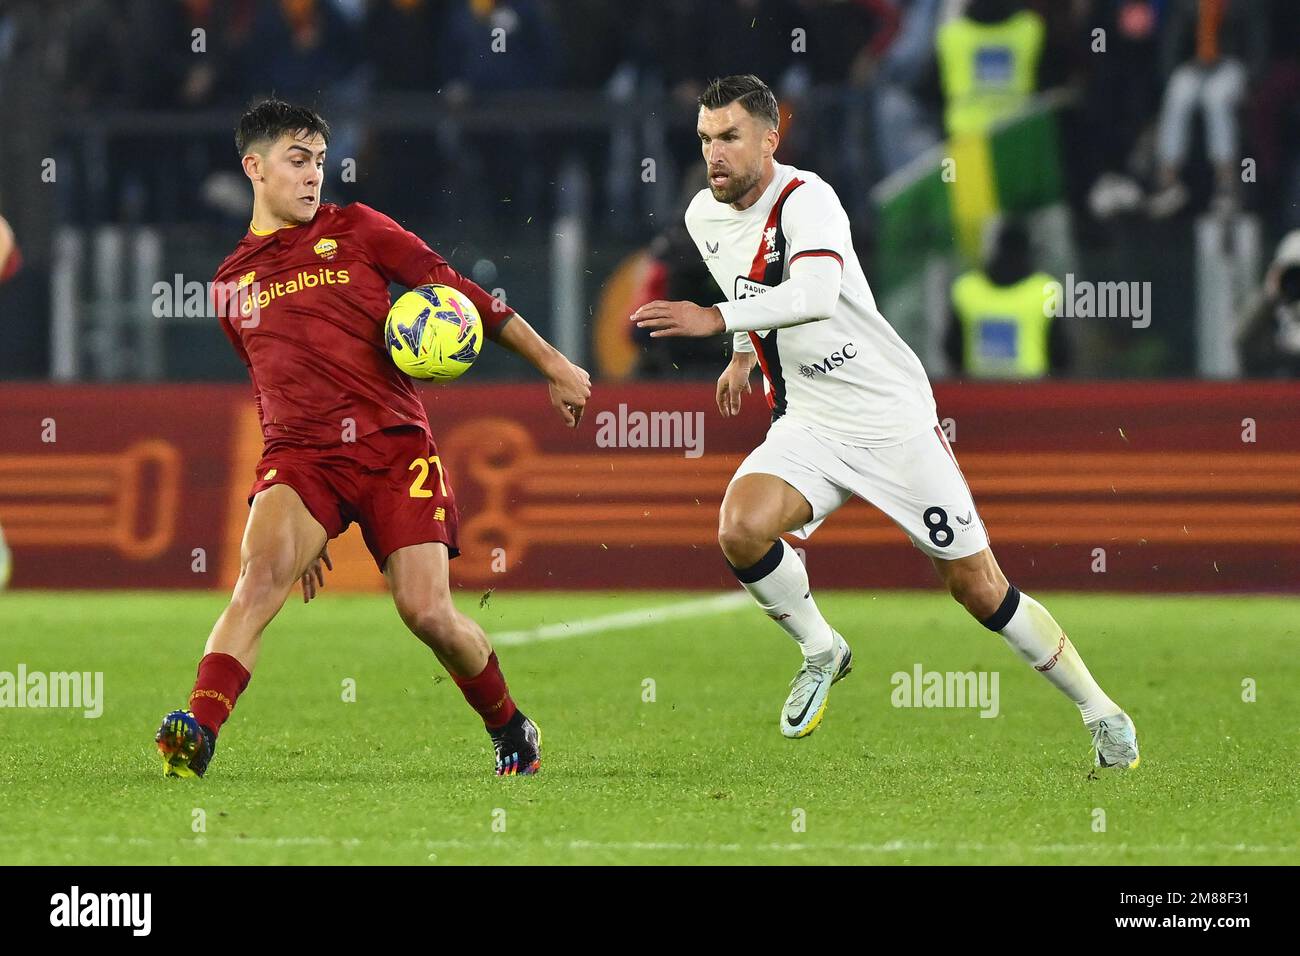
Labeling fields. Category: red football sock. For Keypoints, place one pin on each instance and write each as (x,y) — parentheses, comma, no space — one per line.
(488,695)
(220,682)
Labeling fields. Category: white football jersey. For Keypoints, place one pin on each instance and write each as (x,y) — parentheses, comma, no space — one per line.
(849,376)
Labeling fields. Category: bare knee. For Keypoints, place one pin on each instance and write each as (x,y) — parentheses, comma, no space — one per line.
(435,622)
(979,592)
(744,538)
(263,585)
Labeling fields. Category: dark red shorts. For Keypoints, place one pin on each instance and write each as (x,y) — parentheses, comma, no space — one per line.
(392,483)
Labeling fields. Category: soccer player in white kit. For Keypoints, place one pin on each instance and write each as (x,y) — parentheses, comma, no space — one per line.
(852,414)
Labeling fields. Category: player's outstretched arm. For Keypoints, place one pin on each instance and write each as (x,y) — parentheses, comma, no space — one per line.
(569,385)
(679,319)
(733,380)
(809,294)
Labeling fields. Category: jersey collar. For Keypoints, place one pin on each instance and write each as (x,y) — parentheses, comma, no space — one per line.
(263,233)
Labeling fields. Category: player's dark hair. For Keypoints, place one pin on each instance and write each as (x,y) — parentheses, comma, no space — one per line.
(747,90)
(270,119)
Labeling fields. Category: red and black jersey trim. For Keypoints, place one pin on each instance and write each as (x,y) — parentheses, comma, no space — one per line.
(767,268)
(819,252)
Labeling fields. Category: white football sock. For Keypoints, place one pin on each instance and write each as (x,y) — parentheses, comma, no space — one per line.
(1034,634)
(779,583)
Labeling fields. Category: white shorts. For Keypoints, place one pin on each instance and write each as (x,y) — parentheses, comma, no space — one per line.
(917,484)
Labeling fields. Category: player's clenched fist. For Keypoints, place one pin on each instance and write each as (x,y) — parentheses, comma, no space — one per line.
(733,380)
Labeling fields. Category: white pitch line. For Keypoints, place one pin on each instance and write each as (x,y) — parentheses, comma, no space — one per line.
(656,846)
(625,620)
(909,846)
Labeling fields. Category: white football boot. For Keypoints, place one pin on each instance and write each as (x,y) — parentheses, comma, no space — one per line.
(1114,741)
(806,705)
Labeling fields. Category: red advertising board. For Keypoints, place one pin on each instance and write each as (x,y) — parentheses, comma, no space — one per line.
(1132,486)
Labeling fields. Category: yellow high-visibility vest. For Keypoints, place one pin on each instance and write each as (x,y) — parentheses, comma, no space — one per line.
(988,70)
(1004,328)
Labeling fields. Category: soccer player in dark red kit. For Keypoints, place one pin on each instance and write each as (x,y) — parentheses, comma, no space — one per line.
(344,432)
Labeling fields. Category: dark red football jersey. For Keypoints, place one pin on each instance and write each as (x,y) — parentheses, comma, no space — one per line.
(307,318)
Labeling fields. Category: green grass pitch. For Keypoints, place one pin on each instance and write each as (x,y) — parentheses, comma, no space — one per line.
(698,775)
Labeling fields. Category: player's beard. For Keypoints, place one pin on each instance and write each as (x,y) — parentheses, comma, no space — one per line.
(736,186)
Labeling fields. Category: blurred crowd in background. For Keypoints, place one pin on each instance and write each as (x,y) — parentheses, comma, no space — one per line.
(487,111)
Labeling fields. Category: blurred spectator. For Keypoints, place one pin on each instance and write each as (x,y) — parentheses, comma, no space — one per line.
(1274,124)
(1121,99)
(197,52)
(689,43)
(400,40)
(837,55)
(1067,52)
(595,41)
(683,44)
(401,44)
(1268,341)
(903,126)
(1212,50)
(846,39)
(604,55)
(1001,325)
(94,44)
(989,62)
(312,52)
(498,45)
(200,60)
(302,49)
